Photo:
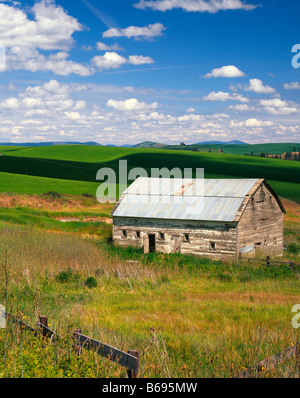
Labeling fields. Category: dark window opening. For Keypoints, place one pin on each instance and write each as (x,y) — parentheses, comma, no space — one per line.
(138,234)
(162,236)
(186,237)
(257,244)
(124,233)
(212,246)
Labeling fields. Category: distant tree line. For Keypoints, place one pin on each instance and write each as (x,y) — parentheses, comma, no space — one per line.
(294,155)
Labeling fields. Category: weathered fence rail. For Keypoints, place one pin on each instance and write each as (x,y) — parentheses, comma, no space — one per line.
(130,359)
(267,261)
(271,362)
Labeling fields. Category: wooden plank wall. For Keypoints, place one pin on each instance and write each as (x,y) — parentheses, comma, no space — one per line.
(174,238)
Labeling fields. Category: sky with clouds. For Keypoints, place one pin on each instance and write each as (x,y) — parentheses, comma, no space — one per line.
(125,71)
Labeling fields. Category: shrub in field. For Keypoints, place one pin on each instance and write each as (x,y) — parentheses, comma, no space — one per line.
(90,282)
(293,248)
(66,276)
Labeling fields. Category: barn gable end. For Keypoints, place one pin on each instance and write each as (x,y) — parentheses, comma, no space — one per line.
(260,226)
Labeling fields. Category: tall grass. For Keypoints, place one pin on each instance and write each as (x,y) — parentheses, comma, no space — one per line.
(188,317)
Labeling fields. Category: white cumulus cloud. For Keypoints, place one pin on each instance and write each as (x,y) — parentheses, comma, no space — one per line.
(276,106)
(131,104)
(240,108)
(139,60)
(222,96)
(30,59)
(105,47)
(10,103)
(150,31)
(292,86)
(112,60)
(225,71)
(51,28)
(211,6)
(257,86)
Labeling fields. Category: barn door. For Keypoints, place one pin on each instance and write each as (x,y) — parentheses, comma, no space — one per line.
(152,243)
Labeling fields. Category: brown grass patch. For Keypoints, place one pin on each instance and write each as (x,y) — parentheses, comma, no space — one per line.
(253,297)
(86,219)
(292,210)
(42,202)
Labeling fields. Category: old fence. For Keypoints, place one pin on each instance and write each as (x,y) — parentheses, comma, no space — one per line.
(268,262)
(130,359)
(272,362)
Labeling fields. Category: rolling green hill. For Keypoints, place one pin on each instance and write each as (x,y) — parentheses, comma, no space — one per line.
(67,166)
(149,144)
(256,149)
(18,183)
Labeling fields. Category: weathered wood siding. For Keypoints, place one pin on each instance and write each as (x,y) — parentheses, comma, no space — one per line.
(261,225)
(216,240)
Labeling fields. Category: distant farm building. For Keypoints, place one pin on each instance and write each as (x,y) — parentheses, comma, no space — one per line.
(285,155)
(220,218)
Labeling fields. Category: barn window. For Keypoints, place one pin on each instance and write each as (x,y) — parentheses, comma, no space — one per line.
(274,241)
(186,238)
(161,236)
(212,246)
(270,199)
(124,233)
(138,234)
(258,244)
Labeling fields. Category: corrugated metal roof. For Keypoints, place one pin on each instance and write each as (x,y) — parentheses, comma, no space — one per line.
(200,200)
(233,188)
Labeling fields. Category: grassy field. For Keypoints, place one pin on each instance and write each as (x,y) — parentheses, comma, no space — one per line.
(188,317)
(19,183)
(72,169)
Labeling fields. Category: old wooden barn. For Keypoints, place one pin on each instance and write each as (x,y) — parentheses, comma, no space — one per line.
(219,218)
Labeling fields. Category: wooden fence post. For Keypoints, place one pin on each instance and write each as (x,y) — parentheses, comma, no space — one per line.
(43,321)
(133,374)
(298,356)
(77,347)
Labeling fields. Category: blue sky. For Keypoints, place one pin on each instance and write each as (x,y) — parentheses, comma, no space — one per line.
(126,71)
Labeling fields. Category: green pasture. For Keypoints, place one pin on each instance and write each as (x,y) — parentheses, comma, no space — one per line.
(72,169)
